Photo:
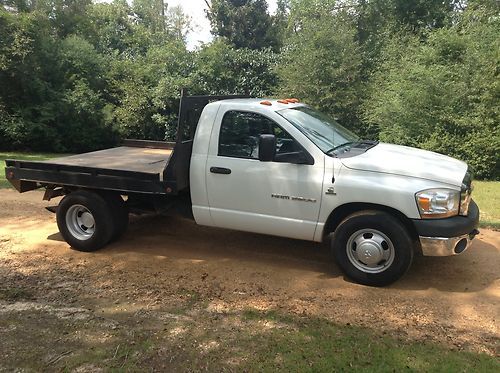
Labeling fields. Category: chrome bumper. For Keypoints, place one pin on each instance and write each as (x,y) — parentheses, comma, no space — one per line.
(446,246)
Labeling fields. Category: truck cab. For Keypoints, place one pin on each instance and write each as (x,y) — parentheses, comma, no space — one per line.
(276,167)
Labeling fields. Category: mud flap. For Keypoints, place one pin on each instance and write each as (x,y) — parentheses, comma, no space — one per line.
(52,209)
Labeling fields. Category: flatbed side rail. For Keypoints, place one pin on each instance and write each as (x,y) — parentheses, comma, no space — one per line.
(29,175)
(148,144)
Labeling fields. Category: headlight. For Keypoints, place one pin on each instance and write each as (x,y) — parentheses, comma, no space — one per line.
(438,203)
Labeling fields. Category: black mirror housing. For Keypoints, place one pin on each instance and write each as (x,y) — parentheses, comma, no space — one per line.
(267,148)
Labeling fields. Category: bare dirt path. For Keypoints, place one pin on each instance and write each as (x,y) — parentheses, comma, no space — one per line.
(166,263)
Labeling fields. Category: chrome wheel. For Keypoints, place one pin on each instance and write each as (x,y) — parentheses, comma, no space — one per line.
(80,222)
(370,251)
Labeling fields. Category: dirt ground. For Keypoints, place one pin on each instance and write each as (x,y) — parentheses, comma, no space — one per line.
(51,296)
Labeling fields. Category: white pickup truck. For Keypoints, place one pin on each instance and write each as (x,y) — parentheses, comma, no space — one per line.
(276,167)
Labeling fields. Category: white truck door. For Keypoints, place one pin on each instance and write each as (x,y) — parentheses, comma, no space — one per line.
(280,198)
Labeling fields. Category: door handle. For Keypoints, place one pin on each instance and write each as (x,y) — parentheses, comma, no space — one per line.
(220,170)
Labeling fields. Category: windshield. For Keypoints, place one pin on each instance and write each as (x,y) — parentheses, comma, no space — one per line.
(322,130)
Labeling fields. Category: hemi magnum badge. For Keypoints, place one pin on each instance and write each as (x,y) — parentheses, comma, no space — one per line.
(293,198)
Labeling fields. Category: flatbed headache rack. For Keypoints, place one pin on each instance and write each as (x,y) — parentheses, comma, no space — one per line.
(164,169)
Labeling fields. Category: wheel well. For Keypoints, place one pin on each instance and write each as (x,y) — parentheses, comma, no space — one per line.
(105,193)
(343,211)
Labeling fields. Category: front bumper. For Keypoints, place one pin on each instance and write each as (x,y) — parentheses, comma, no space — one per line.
(446,246)
(450,236)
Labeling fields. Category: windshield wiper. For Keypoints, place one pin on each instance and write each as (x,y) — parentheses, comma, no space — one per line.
(340,146)
(367,144)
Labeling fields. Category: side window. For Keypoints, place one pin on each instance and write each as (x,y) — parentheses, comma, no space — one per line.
(240,131)
(239,134)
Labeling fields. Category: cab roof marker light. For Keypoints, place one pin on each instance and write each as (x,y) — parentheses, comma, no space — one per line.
(292,100)
(267,103)
(283,101)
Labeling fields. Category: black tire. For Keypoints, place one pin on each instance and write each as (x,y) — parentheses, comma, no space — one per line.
(389,244)
(120,213)
(102,227)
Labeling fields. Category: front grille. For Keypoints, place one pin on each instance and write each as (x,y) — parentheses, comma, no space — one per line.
(465,193)
(467,181)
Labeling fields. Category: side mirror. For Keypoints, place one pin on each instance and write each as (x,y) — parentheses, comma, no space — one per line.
(267,148)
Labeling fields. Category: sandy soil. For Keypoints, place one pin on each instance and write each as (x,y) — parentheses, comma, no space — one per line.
(162,261)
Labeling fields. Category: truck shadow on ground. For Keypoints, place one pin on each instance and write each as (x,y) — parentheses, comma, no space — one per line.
(178,238)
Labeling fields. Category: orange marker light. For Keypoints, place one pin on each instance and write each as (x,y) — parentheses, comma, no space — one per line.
(425,203)
(267,103)
(283,101)
(292,100)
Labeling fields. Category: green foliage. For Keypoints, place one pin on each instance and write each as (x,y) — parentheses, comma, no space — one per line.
(442,94)
(150,13)
(111,32)
(416,15)
(119,74)
(321,63)
(25,95)
(148,90)
(378,20)
(243,23)
(52,88)
(220,69)
(77,75)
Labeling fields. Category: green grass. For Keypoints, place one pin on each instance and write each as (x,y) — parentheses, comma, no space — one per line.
(24,156)
(487,196)
(312,344)
(486,193)
(14,294)
(254,341)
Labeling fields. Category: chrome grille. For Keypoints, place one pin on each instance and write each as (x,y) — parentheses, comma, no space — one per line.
(465,193)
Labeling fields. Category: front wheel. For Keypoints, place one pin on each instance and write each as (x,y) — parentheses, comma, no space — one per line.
(372,248)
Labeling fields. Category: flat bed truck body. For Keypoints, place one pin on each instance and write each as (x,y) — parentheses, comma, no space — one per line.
(127,169)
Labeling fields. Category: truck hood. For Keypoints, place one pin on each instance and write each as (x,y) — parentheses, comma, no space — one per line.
(406,161)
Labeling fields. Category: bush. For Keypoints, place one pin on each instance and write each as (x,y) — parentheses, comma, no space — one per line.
(222,70)
(321,65)
(442,94)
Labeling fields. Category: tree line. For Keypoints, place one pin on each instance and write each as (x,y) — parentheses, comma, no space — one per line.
(77,75)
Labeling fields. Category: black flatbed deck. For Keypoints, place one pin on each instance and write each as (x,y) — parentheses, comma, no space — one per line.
(123,158)
(138,167)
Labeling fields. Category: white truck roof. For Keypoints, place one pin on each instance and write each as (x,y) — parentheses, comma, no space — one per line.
(262,103)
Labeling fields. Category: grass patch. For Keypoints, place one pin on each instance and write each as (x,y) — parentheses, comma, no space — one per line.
(487,196)
(252,341)
(124,358)
(247,341)
(14,294)
(188,299)
(24,156)
(310,344)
